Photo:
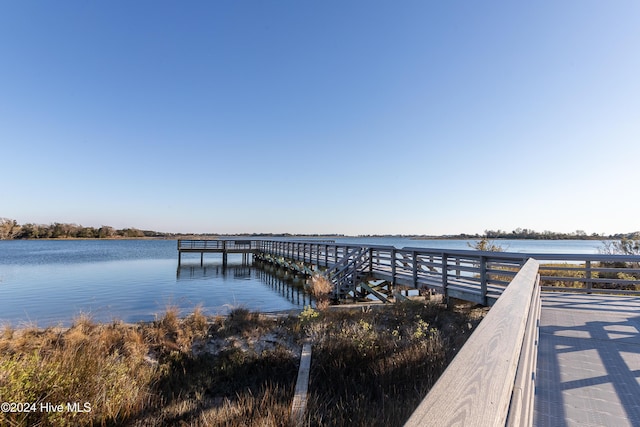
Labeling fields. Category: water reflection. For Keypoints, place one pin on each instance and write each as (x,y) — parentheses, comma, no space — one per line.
(281,282)
(284,283)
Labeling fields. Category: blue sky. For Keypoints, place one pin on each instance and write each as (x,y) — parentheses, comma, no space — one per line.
(354,117)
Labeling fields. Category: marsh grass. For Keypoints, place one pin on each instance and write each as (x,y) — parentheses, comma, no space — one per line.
(321,289)
(103,365)
(373,368)
(368,367)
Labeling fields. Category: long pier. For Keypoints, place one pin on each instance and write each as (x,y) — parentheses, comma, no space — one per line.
(580,368)
(475,276)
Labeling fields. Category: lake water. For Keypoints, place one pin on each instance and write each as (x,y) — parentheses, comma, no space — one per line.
(49,282)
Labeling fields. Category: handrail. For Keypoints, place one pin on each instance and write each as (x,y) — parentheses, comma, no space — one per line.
(451,270)
(345,273)
(476,388)
(522,400)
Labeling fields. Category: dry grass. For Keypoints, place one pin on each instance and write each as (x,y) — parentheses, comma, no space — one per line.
(102,365)
(321,289)
(368,368)
(112,367)
(373,368)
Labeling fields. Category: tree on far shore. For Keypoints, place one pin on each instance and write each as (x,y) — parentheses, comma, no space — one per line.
(9,228)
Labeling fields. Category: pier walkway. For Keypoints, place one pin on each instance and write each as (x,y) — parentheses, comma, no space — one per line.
(588,361)
(559,347)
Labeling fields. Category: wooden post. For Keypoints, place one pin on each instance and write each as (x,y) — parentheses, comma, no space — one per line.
(445,278)
(393,266)
(588,276)
(326,255)
(483,279)
(415,269)
(201,258)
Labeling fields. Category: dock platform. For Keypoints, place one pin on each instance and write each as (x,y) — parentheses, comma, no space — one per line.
(588,361)
(224,247)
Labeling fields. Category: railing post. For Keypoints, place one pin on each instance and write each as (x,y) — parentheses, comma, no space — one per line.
(415,269)
(326,255)
(445,278)
(587,274)
(483,278)
(393,267)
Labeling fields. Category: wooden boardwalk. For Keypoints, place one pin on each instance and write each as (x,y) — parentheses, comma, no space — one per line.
(475,276)
(588,361)
(568,358)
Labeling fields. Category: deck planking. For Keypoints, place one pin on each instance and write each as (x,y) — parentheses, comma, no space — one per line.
(588,361)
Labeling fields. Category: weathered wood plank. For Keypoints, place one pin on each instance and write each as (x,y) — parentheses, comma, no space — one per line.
(299,403)
(476,388)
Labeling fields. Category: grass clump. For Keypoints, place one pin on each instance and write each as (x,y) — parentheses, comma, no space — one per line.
(373,368)
(101,365)
(321,289)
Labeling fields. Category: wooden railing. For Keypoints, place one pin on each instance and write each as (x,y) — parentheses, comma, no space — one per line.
(481,276)
(490,381)
(591,273)
(474,275)
(211,245)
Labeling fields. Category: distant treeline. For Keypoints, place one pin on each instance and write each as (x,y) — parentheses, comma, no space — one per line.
(524,233)
(10,229)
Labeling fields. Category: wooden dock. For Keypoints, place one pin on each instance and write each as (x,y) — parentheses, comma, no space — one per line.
(224,247)
(493,380)
(475,276)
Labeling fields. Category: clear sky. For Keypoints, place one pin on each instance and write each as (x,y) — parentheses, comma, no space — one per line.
(354,117)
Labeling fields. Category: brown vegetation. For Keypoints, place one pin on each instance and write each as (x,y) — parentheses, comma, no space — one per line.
(321,289)
(368,367)
(372,368)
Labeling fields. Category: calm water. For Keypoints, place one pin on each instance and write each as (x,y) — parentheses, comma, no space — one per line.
(50,282)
